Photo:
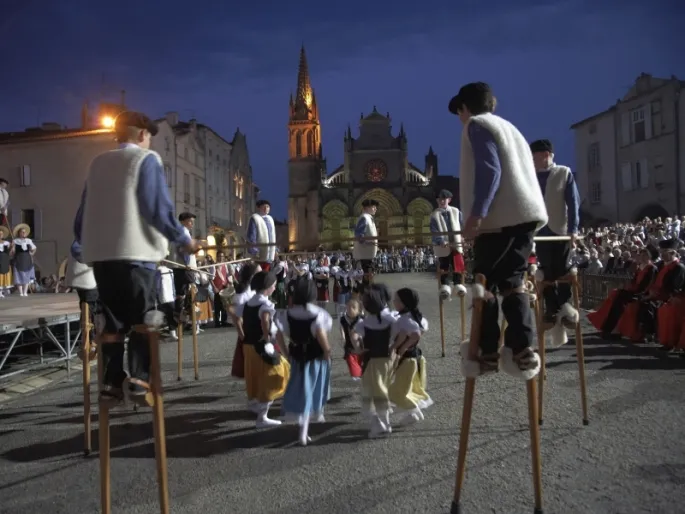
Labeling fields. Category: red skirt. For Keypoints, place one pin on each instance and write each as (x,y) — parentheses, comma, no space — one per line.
(336,291)
(669,324)
(266,266)
(627,325)
(321,293)
(354,364)
(458,263)
(598,317)
(238,365)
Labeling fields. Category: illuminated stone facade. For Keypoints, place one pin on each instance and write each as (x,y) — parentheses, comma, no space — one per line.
(324,206)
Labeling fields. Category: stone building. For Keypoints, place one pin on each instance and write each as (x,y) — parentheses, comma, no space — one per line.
(630,158)
(324,206)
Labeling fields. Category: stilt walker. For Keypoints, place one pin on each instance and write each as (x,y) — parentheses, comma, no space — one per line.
(80,277)
(557,283)
(505,208)
(124,225)
(449,251)
(261,230)
(366,244)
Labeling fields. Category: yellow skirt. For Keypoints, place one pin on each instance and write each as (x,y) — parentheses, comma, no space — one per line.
(206,312)
(264,382)
(375,379)
(6,279)
(409,386)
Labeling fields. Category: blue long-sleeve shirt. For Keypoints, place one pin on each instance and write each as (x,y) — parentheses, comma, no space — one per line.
(434,227)
(252,235)
(154,204)
(572,199)
(488,169)
(360,227)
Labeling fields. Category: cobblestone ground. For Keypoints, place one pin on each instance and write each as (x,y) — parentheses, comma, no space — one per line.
(629,460)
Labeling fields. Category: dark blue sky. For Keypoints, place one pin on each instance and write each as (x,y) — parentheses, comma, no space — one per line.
(233,64)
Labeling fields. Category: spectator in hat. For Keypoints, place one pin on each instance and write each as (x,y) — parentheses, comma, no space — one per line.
(448,249)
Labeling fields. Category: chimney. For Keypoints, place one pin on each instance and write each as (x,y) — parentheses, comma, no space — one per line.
(172,118)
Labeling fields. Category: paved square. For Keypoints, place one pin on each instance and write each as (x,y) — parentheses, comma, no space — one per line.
(631,459)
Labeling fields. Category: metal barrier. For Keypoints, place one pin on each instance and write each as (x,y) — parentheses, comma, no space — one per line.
(594,288)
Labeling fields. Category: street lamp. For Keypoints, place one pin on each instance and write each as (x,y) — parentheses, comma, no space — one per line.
(107,122)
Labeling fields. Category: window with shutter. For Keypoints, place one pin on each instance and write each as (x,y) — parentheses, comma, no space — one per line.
(626,177)
(639,125)
(25,175)
(644,174)
(648,122)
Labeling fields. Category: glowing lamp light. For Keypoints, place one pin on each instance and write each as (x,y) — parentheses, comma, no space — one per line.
(211,240)
(107,122)
(201,253)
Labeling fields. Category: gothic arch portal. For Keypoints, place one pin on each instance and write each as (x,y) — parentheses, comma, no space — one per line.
(418,213)
(651,211)
(389,205)
(335,224)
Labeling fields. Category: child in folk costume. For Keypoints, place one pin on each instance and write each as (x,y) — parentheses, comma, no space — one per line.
(376,333)
(322,276)
(357,275)
(348,320)
(280,296)
(5,268)
(408,389)
(266,371)
(334,269)
(22,252)
(242,293)
(303,335)
(299,269)
(344,281)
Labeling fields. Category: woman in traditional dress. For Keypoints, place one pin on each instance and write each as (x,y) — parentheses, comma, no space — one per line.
(266,371)
(349,317)
(305,327)
(281,295)
(22,252)
(407,390)
(322,276)
(203,300)
(375,333)
(5,268)
(242,294)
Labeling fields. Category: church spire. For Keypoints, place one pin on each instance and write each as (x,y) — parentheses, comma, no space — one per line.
(304,88)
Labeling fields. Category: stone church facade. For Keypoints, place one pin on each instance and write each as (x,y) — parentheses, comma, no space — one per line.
(324,206)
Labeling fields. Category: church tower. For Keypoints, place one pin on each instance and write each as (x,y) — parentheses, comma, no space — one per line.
(305,159)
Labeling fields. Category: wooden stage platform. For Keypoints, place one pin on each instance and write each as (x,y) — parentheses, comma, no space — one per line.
(34,310)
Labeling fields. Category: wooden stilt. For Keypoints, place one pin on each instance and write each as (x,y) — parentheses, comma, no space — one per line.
(580,351)
(179,351)
(154,399)
(442,325)
(469,393)
(85,337)
(540,331)
(462,305)
(193,321)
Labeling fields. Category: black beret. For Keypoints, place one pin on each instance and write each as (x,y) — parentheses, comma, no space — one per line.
(262,202)
(370,202)
(135,119)
(186,216)
(542,145)
(262,281)
(471,91)
(668,244)
(444,194)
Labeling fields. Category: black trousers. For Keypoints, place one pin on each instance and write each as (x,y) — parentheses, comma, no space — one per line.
(182,281)
(553,257)
(446,265)
(623,297)
(127,292)
(220,314)
(503,259)
(168,310)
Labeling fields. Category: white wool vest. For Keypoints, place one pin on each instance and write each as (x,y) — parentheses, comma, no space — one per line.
(113,229)
(518,199)
(366,251)
(79,275)
(454,240)
(555,199)
(266,253)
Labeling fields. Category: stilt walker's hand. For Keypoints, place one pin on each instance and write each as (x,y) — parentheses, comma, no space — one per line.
(472,227)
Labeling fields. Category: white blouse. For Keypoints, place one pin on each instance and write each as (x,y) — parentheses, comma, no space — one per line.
(322,320)
(25,243)
(239,301)
(371,321)
(3,245)
(406,324)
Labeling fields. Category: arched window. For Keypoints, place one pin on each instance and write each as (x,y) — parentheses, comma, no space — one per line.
(310,143)
(298,144)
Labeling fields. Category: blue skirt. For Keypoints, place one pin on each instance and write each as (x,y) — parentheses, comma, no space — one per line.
(308,390)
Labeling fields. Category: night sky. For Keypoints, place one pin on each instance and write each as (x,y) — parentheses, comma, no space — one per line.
(232,64)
